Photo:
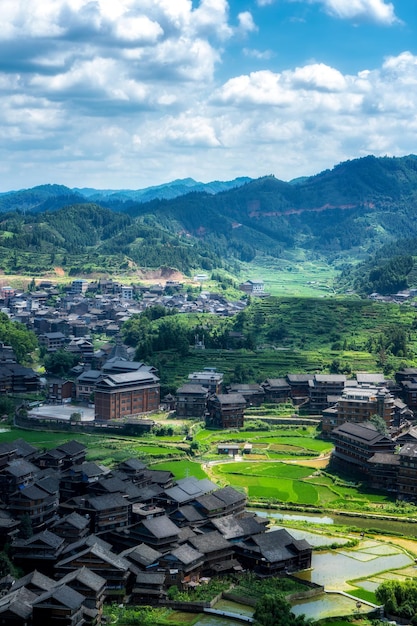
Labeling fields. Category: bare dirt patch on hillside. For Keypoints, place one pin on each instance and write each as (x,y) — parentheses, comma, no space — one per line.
(162,275)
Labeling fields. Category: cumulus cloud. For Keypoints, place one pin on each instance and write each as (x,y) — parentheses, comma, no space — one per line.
(371,10)
(135,92)
(374,10)
(246,23)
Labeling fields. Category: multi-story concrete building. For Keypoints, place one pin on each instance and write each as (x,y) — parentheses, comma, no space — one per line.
(358,404)
(209,378)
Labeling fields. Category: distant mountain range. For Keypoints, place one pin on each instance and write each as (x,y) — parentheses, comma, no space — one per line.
(359,208)
(52,197)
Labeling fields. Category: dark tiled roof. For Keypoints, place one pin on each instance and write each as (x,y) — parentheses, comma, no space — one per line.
(140,376)
(90,469)
(20,467)
(232,528)
(85,576)
(161,527)
(197,390)
(279,545)
(230,398)
(79,522)
(190,513)
(64,595)
(364,432)
(54,453)
(71,447)
(228,495)
(299,378)
(107,556)
(330,378)
(209,502)
(185,534)
(18,602)
(186,554)
(49,484)
(24,448)
(276,382)
(112,501)
(209,542)
(45,537)
(81,544)
(153,578)
(7,448)
(33,493)
(35,579)
(385,458)
(133,464)
(142,554)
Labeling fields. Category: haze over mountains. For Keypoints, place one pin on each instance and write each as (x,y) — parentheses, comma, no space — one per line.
(356,209)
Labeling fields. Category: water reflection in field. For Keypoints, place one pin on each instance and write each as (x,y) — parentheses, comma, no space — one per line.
(332,569)
(328,605)
(407,528)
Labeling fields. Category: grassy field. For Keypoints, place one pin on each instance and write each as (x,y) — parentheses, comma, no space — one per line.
(287,467)
(294,484)
(101,449)
(304,335)
(292,276)
(181,469)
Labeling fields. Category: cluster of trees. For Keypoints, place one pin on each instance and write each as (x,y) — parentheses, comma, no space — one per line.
(387,277)
(16,335)
(399,598)
(72,229)
(158,329)
(274,610)
(60,362)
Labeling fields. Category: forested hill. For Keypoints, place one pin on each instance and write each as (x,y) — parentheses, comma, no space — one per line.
(359,204)
(345,213)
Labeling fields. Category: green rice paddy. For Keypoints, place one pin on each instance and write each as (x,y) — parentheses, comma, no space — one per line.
(291,484)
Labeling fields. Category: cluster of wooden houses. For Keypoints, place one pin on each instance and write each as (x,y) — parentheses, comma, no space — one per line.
(84,534)
(386,460)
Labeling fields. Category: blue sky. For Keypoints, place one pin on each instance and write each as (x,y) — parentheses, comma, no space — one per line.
(133,93)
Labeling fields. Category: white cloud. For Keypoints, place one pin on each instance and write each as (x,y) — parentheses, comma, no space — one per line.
(370,10)
(246,23)
(318,76)
(262,55)
(128,93)
(374,10)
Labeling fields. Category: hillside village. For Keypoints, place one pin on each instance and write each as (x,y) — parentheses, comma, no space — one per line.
(85,534)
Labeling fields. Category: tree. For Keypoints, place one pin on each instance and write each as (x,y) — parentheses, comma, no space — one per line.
(7,406)
(274,610)
(26,530)
(23,341)
(379,423)
(60,362)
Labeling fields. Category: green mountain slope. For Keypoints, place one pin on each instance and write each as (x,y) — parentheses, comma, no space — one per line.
(341,215)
